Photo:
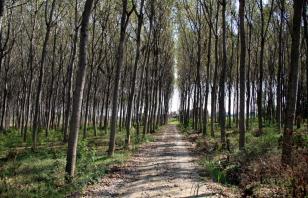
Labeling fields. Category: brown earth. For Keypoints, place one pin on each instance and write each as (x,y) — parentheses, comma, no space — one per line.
(166,167)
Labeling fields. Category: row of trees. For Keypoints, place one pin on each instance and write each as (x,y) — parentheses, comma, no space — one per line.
(243,58)
(100,63)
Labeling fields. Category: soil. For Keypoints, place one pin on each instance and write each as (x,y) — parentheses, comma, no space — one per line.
(166,167)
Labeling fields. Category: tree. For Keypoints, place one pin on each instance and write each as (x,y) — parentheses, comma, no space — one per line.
(242,74)
(119,62)
(214,87)
(78,93)
(306,39)
(5,51)
(70,72)
(49,24)
(292,91)
(133,81)
(2,5)
(263,36)
(222,111)
(280,66)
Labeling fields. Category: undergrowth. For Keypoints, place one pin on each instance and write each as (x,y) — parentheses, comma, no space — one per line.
(258,166)
(24,173)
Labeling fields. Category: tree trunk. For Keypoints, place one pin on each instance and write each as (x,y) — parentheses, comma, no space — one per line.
(242,74)
(248,79)
(306,39)
(2,4)
(70,72)
(78,93)
(286,157)
(280,66)
(222,111)
(51,88)
(133,81)
(214,87)
(119,63)
(205,113)
(41,76)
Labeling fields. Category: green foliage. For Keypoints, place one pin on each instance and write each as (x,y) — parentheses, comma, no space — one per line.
(227,166)
(300,140)
(215,171)
(256,146)
(186,129)
(174,121)
(24,173)
(9,139)
(232,173)
(85,156)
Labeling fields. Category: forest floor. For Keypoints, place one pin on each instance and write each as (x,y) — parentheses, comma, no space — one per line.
(166,167)
(257,170)
(40,173)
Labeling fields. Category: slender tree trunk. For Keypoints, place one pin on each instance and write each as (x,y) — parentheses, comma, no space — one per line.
(222,111)
(51,88)
(237,83)
(306,39)
(78,93)
(2,4)
(214,87)
(70,72)
(263,33)
(133,81)
(143,85)
(41,76)
(4,100)
(280,66)
(242,74)
(28,108)
(205,113)
(95,105)
(286,157)
(119,63)
(2,46)
(147,73)
(230,86)
(107,105)
(248,79)
(86,114)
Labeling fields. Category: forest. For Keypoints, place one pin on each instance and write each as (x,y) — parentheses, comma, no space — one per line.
(151,98)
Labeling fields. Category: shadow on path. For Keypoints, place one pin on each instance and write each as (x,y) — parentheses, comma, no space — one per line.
(164,168)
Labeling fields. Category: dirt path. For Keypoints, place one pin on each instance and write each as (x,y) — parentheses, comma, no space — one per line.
(164,168)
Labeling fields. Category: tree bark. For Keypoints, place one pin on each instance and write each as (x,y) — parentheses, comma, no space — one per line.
(306,39)
(214,87)
(280,66)
(242,74)
(222,111)
(2,4)
(260,84)
(78,93)
(41,75)
(205,113)
(70,72)
(119,63)
(286,157)
(133,81)
(248,85)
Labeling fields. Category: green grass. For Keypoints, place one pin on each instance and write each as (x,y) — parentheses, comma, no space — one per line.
(224,166)
(24,173)
(174,121)
(213,170)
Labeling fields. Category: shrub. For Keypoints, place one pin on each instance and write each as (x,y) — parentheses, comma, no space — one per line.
(233,174)
(214,171)
(85,156)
